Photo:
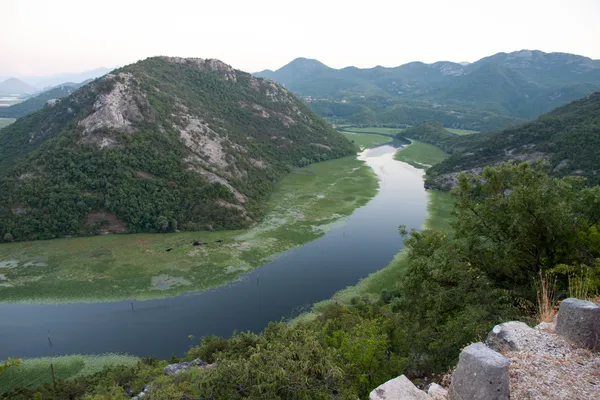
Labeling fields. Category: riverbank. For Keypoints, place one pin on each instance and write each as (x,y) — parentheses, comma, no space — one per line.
(439,208)
(306,204)
(366,140)
(420,155)
(439,217)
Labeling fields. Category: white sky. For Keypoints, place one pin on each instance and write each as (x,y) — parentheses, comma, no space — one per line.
(41,37)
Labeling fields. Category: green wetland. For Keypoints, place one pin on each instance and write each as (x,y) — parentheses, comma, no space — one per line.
(307,203)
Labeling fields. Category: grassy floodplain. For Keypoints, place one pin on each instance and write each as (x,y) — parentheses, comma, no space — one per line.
(366,140)
(35,372)
(420,155)
(461,131)
(370,129)
(304,206)
(6,121)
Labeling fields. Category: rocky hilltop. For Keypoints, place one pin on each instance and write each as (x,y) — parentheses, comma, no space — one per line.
(163,144)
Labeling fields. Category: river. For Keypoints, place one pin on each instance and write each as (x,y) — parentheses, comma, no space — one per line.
(293,281)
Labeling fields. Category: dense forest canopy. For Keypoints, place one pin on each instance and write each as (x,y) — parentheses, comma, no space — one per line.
(160,145)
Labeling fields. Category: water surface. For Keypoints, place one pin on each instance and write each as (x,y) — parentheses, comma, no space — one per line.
(293,281)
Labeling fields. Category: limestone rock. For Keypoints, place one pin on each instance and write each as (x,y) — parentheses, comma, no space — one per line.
(579,321)
(509,336)
(183,366)
(400,388)
(481,374)
(436,392)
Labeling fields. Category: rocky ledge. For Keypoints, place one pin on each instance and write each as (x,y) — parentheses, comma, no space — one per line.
(554,361)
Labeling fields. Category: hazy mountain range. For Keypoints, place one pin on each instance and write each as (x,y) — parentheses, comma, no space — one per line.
(519,85)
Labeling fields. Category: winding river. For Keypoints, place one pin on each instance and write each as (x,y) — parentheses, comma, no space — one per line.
(293,281)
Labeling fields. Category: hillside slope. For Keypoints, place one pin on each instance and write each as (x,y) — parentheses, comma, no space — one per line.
(38,102)
(568,138)
(163,144)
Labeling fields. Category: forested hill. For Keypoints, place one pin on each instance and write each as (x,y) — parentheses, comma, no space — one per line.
(568,138)
(163,144)
(39,101)
(492,93)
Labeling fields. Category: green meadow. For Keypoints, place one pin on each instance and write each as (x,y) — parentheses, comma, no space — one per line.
(420,155)
(370,129)
(366,140)
(461,131)
(35,372)
(306,204)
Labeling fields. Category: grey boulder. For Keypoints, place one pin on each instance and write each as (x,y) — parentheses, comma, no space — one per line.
(579,321)
(400,388)
(436,392)
(509,336)
(481,374)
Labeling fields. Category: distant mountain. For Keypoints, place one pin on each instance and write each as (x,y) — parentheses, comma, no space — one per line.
(160,145)
(15,86)
(519,85)
(45,82)
(568,138)
(39,101)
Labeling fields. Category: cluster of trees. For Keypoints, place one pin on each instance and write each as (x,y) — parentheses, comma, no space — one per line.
(513,225)
(51,181)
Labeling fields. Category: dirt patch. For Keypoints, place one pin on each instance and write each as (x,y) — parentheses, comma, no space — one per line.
(108,222)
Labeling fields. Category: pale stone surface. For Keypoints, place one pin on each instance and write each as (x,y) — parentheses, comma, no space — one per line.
(436,392)
(509,336)
(400,388)
(481,374)
(579,321)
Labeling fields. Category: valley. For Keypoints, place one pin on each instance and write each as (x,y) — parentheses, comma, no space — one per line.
(344,252)
(305,205)
(182,228)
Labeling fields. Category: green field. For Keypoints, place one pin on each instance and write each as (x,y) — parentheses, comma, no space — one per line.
(461,131)
(366,140)
(305,205)
(420,155)
(36,371)
(6,121)
(371,129)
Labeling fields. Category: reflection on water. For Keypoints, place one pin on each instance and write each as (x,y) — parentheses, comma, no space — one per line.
(365,243)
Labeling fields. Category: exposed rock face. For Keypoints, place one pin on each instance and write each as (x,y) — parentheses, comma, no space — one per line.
(117,109)
(177,368)
(579,321)
(509,336)
(481,373)
(400,388)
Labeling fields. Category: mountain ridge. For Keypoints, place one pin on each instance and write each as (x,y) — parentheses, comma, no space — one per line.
(520,85)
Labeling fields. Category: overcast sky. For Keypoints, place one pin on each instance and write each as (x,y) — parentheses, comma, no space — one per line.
(41,37)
